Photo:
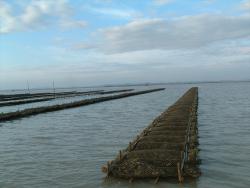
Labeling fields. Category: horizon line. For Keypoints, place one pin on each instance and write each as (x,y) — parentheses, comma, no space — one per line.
(132,84)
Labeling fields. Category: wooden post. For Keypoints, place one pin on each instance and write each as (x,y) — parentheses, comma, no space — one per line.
(131,180)
(182,153)
(54,90)
(28,86)
(180,178)
(120,155)
(108,169)
(156,180)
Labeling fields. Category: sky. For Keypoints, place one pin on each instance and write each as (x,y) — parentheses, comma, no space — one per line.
(97,42)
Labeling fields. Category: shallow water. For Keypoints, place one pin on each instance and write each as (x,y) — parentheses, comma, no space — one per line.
(67,148)
(58,100)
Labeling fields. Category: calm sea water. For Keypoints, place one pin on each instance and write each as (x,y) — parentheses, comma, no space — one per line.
(67,148)
(58,100)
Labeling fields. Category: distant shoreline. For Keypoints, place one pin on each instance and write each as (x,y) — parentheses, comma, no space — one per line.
(131,85)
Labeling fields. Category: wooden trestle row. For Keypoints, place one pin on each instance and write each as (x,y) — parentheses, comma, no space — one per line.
(166,148)
(52,108)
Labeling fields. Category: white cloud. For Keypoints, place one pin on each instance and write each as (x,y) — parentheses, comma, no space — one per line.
(217,61)
(37,14)
(246,4)
(7,22)
(82,45)
(116,13)
(180,33)
(216,54)
(69,23)
(201,47)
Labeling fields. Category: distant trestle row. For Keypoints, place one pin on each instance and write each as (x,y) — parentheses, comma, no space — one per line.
(44,109)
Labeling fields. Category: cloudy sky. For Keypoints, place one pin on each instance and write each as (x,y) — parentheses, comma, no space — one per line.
(95,42)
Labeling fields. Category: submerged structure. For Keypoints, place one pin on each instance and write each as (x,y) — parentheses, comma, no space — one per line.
(166,148)
(44,109)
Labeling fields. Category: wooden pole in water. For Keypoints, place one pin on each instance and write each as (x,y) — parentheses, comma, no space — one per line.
(180,178)
(28,86)
(156,180)
(44,109)
(131,180)
(120,155)
(108,169)
(130,146)
(54,90)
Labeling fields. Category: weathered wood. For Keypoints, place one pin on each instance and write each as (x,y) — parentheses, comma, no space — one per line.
(164,138)
(169,127)
(11,100)
(39,110)
(156,180)
(162,149)
(167,132)
(153,154)
(23,96)
(159,145)
(18,102)
(180,177)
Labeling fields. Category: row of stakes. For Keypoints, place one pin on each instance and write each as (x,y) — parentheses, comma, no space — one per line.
(106,169)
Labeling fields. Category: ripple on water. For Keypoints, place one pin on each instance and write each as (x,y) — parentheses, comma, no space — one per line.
(67,148)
